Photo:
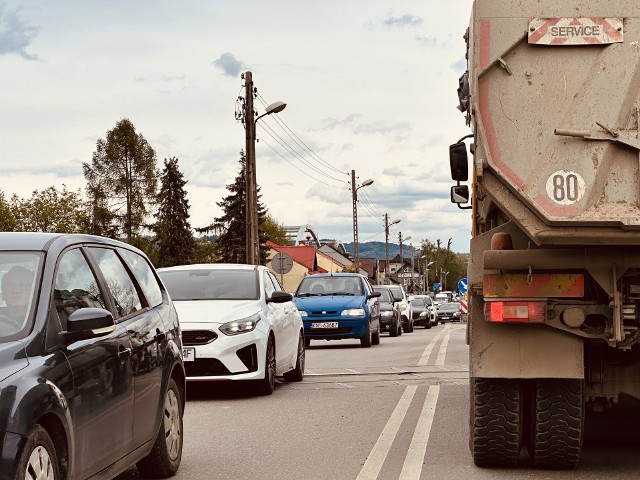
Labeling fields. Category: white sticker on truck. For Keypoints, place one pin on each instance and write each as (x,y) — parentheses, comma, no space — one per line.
(576,31)
(565,187)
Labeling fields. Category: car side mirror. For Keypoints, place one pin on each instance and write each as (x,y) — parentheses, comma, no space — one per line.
(374,294)
(280,297)
(397,299)
(87,323)
(458,161)
(460,194)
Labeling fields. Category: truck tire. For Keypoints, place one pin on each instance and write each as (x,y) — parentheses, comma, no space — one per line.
(495,422)
(557,423)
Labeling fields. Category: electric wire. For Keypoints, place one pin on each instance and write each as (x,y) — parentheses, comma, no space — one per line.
(299,141)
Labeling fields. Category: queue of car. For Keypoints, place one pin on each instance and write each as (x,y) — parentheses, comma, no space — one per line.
(96,346)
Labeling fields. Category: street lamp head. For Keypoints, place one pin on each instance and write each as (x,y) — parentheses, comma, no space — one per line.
(395,222)
(367,182)
(406,238)
(275,107)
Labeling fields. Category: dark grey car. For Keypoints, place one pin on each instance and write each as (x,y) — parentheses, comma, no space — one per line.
(91,374)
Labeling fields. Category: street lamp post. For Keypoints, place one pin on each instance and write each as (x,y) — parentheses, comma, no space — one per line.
(427,274)
(354,198)
(445,281)
(386,246)
(252,241)
(401,239)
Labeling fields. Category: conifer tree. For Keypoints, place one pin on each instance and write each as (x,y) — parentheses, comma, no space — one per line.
(121,182)
(230,226)
(174,236)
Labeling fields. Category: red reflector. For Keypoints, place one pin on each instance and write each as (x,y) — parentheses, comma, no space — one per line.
(522,312)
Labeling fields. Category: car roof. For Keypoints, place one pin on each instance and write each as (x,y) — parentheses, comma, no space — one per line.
(213,266)
(335,275)
(39,241)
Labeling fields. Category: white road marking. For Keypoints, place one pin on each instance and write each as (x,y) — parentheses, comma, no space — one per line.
(352,370)
(443,348)
(412,467)
(376,458)
(427,351)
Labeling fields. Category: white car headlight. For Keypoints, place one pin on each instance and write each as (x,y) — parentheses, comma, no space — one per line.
(386,313)
(302,313)
(353,312)
(236,327)
(423,314)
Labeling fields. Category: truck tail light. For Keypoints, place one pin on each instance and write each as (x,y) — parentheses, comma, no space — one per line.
(515,312)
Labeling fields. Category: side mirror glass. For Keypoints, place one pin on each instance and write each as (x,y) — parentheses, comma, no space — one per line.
(458,161)
(460,194)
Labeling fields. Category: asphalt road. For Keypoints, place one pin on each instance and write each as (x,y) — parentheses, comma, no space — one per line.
(398,410)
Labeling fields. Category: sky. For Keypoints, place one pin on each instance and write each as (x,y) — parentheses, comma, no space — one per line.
(370,86)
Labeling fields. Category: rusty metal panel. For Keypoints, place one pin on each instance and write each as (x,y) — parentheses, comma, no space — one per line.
(559,127)
(538,285)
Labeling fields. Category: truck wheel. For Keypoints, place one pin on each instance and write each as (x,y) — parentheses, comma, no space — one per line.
(495,422)
(557,423)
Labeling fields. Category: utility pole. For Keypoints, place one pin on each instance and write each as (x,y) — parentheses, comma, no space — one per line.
(400,240)
(386,248)
(251,204)
(354,199)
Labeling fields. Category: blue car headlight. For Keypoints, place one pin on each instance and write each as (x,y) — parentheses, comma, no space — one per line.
(353,312)
(236,327)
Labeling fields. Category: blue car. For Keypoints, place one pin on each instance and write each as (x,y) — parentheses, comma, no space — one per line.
(337,306)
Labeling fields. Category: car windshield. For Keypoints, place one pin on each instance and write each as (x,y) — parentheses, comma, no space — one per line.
(449,307)
(210,284)
(336,285)
(385,296)
(19,273)
(418,302)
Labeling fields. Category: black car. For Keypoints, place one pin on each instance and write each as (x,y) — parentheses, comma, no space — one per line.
(91,374)
(390,319)
(449,312)
(423,311)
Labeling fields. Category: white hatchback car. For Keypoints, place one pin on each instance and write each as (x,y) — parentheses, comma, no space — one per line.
(237,324)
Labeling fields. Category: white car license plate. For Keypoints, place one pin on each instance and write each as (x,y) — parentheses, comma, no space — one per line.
(325,325)
(189,354)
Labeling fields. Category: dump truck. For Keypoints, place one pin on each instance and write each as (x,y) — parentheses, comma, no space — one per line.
(552,98)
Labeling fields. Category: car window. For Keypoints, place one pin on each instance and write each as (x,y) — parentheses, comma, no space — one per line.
(330,285)
(418,302)
(144,274)
(269,288)
(210,284)
(75,286)
(119,282)
(275,281)
(19,274)
(385,296)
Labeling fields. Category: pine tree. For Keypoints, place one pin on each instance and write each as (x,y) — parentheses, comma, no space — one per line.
(121,182)
(230,226)
(175,238)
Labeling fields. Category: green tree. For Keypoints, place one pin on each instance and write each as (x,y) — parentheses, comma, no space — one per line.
(274,231)
(121,182)
(230,226)
(174,236)
(50,210)
(8,222)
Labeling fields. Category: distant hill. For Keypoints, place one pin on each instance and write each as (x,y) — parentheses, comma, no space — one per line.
(377,250)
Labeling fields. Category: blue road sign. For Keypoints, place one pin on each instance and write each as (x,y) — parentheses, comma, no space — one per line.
(437,287)
(462,286)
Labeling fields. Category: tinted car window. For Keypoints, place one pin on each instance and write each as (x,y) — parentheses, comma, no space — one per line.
(75,286)
(119,283)
(385,296)
(205,284)
(143,273)
(18,273)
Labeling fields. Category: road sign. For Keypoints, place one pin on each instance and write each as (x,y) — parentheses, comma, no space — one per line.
(464,307)
(462,286)
(281,263)
(436,286)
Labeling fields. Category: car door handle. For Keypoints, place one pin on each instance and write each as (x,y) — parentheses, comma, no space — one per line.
(124,353)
